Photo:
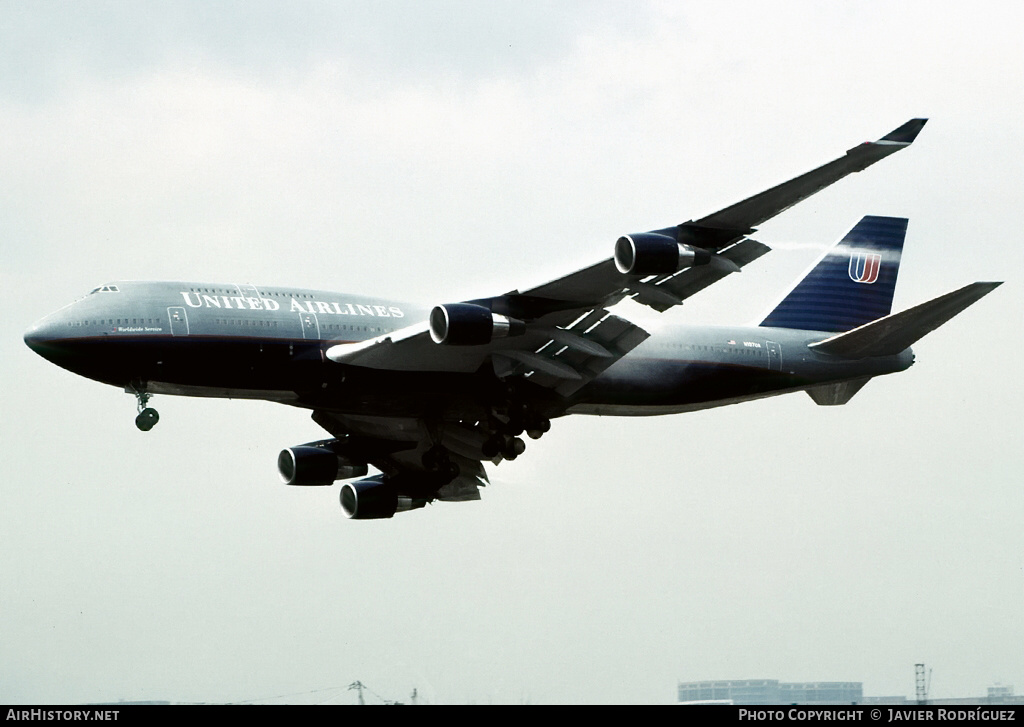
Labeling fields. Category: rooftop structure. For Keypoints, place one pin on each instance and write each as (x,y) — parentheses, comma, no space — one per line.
(770,691)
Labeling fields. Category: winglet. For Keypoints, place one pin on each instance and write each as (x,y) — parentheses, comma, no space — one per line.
(906,133)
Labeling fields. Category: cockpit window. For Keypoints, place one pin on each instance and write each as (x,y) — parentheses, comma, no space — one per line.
(105,289)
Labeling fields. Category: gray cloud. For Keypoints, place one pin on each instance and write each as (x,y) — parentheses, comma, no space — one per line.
(49,46)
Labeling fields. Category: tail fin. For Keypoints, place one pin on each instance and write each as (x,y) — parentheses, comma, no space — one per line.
(852,284)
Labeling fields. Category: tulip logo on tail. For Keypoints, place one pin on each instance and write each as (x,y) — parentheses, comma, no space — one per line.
(864,267)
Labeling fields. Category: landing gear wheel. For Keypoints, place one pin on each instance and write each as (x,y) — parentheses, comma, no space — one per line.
(513,448)
(147,419)
(537,428)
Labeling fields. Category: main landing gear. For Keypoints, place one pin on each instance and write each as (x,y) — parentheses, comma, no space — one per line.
(505,439)
(147,417)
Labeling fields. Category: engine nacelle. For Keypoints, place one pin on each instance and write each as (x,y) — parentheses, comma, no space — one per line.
(652,253)
(374,498)
(307,465)
(468,324)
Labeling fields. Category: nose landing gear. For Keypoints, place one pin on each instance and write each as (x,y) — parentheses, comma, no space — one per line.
(147,417)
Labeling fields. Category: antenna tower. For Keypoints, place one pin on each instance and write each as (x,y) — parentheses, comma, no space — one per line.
(922,688)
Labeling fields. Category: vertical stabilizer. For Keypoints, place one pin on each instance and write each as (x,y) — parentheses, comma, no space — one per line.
(852,284)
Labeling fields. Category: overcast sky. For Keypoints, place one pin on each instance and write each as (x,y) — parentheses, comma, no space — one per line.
(438,151)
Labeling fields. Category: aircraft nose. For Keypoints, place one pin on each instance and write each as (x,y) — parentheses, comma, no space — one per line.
(34,338)
(60,341)
(43,338)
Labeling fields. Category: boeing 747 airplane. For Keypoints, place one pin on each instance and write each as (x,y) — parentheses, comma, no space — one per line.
(426,395)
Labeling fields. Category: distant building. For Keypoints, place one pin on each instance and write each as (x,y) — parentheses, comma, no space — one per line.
(774,692)
(998,694)
(1000,691)
(770,691)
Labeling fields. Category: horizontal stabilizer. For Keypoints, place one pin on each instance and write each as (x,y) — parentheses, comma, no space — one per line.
(894,333)
(836,394)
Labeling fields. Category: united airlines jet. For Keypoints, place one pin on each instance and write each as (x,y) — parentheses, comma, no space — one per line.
(426,396)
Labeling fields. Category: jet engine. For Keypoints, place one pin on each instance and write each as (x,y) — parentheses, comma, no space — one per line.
(312,465)
(373,498)
(652,253)
(468,324)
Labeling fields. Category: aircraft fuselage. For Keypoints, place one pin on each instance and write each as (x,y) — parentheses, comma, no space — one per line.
(269,343)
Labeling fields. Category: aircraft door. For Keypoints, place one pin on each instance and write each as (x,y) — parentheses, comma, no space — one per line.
(248,291)
(178,320)
(774,355)
(310,326)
